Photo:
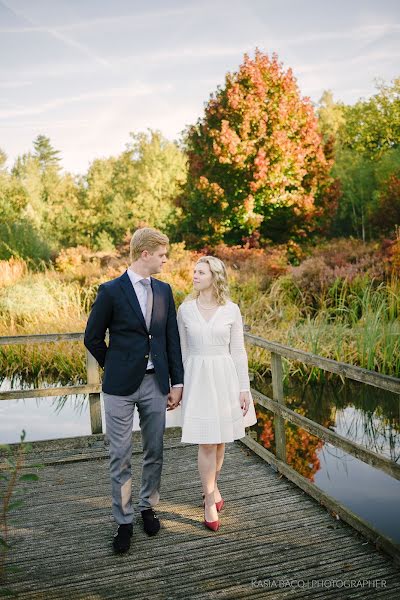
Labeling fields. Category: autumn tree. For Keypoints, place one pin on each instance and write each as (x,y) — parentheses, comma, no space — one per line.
(256,160)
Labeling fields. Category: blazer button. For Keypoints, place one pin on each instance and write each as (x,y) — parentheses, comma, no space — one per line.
(146,356)
(149,337)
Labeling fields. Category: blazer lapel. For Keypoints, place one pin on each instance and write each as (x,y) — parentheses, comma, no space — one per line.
(130,294)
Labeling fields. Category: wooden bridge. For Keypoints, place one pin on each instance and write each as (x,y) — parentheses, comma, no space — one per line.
(277,538)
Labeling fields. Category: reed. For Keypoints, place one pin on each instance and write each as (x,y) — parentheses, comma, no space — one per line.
(356,323)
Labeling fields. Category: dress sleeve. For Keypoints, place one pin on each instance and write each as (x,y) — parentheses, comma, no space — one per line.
(182,335)
(238,351)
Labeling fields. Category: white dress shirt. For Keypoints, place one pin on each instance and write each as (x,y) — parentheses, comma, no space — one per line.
(141,293)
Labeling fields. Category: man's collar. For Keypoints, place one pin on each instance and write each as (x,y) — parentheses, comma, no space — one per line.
(135,277)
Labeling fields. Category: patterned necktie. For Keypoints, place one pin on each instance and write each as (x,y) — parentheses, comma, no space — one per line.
(149,303)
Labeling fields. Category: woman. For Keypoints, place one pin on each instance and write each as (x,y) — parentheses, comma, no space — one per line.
(216,403)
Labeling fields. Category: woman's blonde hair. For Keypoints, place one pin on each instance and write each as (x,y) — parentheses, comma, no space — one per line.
(148,239)
(219,278)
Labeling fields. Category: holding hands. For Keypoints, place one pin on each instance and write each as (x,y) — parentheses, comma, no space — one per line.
(174,397)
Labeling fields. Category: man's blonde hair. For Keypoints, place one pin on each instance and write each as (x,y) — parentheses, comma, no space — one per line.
(146,238)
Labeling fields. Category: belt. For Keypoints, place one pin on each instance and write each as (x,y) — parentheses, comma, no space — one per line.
(150,371)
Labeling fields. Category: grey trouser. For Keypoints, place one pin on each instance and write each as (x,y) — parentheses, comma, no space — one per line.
(151,404)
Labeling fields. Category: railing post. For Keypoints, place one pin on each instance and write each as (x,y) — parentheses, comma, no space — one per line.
(93,376)
(277,389)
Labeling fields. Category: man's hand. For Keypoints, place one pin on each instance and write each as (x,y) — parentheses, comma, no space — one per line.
(174,397)
(244,402)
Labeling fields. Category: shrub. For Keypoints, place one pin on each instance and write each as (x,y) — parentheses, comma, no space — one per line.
(21,240)
(246,263)
(341,260)
(11,271)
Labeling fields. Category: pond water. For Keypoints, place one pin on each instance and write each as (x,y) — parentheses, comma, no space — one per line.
(52,417)
(357,411)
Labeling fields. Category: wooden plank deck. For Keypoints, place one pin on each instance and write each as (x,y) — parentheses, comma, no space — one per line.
(272,534)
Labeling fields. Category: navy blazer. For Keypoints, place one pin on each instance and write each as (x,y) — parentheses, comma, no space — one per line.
(117,309)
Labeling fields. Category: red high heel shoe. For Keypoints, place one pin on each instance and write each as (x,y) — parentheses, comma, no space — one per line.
(213,525)
(219,504)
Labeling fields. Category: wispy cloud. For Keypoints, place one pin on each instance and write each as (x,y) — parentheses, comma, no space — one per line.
(132,91)
(78,46)
(32,26)
(44,124)
(356,33)
(185,53)
(332,65)
(110,22)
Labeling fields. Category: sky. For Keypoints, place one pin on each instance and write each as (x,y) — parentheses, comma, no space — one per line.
(86,73)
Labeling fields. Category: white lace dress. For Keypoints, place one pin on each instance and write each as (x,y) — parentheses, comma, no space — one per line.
(216,371)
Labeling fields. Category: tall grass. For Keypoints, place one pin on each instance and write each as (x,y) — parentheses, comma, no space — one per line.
(356,323)
(41,303)
(350,320)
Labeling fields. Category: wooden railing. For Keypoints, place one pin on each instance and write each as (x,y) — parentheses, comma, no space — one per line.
(92,387)
(275,405)
(282,413)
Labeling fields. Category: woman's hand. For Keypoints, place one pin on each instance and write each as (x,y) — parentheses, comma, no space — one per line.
(174,397)
(244,402)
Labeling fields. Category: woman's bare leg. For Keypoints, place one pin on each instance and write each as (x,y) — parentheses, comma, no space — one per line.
(207,463)
(220,460)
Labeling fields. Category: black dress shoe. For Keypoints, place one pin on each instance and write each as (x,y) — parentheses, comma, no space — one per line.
(151,523)
(122,539)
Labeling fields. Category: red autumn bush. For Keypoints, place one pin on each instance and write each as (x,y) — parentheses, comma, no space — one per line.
(267,264)
(343,259)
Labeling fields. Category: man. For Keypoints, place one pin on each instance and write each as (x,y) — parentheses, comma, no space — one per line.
(143,367)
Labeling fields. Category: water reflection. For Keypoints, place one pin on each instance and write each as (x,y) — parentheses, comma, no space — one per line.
(42,418)
(359,412)
(53,417)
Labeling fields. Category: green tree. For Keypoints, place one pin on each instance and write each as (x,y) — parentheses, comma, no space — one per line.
(3,160)
(18,235)
(27,172)
(101,209)
(330,116)
(13,198)
(134,189)
(157,178)
(372,126)
(365,144)
(358,182)
(64,219)
(47,157)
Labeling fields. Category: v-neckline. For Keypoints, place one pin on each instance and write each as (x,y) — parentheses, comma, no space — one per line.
(201,316)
